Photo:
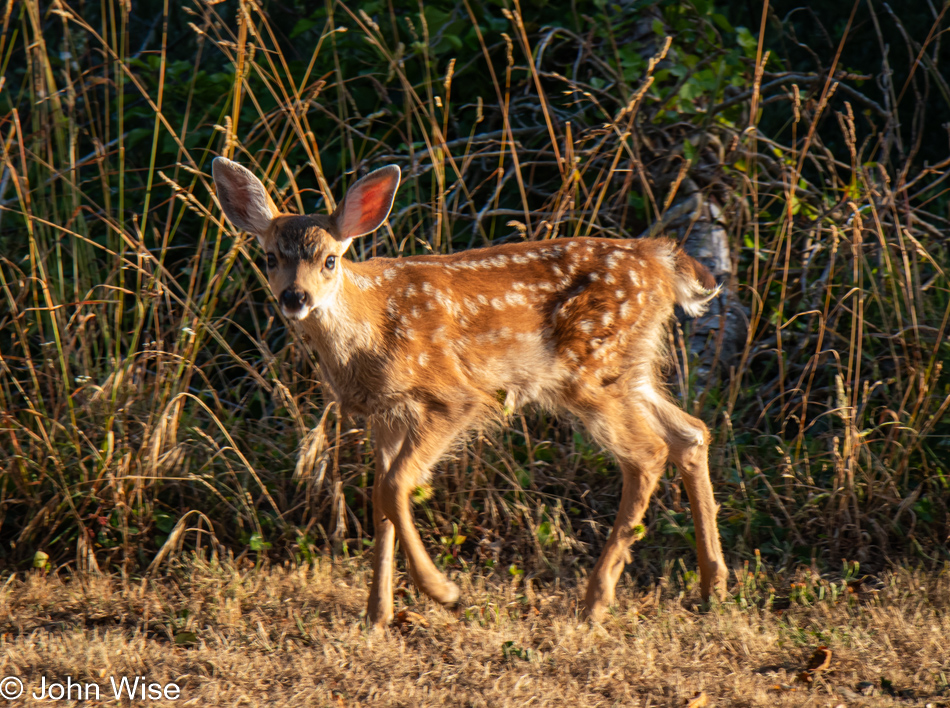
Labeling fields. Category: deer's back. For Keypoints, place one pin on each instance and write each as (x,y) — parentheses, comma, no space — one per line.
(544,321)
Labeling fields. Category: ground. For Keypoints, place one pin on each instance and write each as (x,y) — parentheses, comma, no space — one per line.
(234,634)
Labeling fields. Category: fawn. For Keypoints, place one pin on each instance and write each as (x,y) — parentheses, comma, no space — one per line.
(421,346)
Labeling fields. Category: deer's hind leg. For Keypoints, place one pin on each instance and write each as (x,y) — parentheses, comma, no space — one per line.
(642,455)
(688,440)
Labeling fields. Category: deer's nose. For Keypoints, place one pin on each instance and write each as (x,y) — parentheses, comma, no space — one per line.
(293,299)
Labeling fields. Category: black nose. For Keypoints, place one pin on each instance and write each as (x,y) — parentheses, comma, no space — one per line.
(293,299)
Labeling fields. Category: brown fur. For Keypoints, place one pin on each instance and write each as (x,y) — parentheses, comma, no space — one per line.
(421,346)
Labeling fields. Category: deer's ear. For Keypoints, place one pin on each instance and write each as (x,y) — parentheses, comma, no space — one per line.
(367,203)
(242,196)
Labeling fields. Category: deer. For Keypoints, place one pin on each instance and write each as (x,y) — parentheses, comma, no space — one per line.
(422,347)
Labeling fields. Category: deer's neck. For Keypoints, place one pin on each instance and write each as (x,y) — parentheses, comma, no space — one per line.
(349,325)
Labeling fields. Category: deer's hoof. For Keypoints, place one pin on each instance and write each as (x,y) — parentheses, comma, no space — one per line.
(450,594)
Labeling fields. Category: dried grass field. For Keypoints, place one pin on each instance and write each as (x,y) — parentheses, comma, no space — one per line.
(235,634)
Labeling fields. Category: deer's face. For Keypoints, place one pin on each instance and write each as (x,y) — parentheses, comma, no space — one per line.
(304,253)
(304,263)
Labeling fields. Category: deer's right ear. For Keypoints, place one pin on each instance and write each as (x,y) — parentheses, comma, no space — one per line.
(242,196)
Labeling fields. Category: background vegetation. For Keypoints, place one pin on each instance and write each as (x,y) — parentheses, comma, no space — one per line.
(152,400)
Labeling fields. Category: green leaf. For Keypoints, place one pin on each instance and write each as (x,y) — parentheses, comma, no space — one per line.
(747,41)
(721,22)
(257,542)
(186,638)
(164,522)
(524,477)
(302,26)
(689,150)
(545,533)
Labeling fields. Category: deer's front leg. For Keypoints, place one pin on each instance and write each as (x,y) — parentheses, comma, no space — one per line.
(423,447)
(379,611)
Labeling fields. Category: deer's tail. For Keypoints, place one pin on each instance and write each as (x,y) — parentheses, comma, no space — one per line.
(693,284)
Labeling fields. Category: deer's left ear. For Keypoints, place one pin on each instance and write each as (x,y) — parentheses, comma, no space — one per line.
(367,204)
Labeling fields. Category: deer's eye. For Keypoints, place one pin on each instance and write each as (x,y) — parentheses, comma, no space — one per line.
(271,260)
(330,262)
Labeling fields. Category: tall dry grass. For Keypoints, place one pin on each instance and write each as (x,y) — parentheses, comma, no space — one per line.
(152,399)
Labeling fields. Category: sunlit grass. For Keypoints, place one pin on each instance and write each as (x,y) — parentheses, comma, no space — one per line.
(228,632)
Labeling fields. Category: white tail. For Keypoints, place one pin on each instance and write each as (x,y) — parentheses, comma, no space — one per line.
(422,345)
(694,285)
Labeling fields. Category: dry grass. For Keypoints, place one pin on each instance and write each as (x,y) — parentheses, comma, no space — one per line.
(294,636)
